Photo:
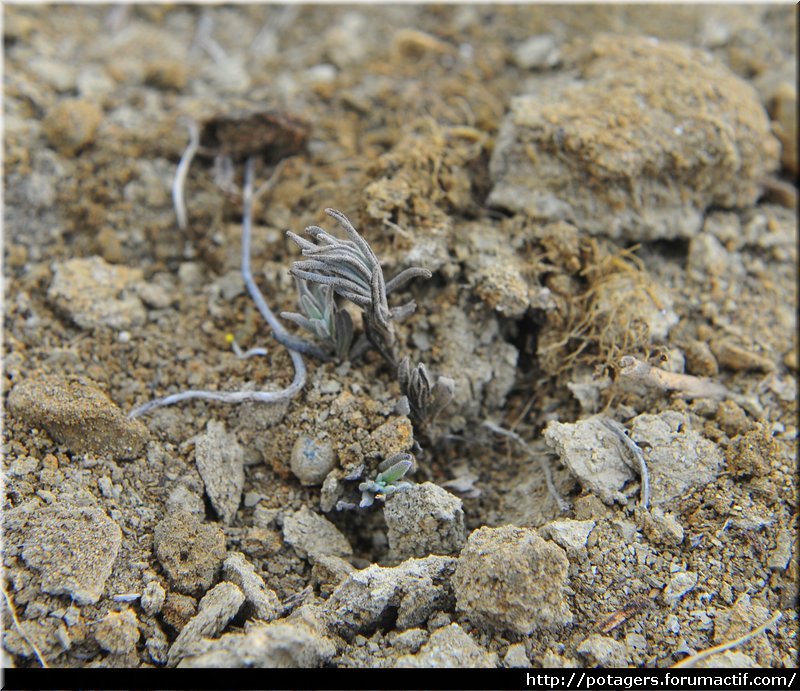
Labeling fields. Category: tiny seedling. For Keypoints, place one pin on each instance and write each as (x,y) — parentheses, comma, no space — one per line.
(425,399)
(353,272)
(322,317)
(386,482)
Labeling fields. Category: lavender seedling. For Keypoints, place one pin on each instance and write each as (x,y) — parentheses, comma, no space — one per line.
(425,399)
(386,482)
(352,270)
(322,317)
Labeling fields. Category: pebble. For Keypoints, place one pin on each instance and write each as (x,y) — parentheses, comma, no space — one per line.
(313,535)
(118,632)
(569,534)
(71,124)
(281,644)
(178,610)
(411,591)
(73,548)
(425,519)
(604,651)
(97,295)
(76,412)
(218,606)
(262,602)
(537,52)
(510,579)
(625,123)
(220,462)
(190,551)
(448,647)
(153,597)
(679,584)
(312,460)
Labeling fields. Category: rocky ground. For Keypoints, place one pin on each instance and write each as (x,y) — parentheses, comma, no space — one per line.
(605,198)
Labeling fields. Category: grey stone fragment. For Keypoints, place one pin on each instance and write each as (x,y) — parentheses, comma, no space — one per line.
(569,534)
(510,579)
(220,461)
(677,457)
(415,589)
(423,520)
(118,632)
(73,548)
(328,572)
(313,535)
(728,659)
(780,557)
(537,52)
(449,646)
(604,651)
(312,460)
(516,656)
(262,601)
(77,413)
(593,455)
(218,606)
(186,495)
(190,551)
(153,597)
(617,147)
(679,584)
(95,294)
(665,528)
(280,644)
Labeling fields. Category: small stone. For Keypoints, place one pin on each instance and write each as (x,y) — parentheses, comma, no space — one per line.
(167,74)
(593,455)
(178,610)
(77,413)
(678,457)
(218,606)
(510,579)
(447,647)
(328,572)
(312,460)
(752,454)
(153,597)
(118,632)
(412,592)
(604,651)
(396,435)
(781,555)
(97,295)
(313,535)
(663,528)
(186,495)
(423,520)
(537,52)
(73,548)
(279,644)
(516,656)
(220,461)
(569,534)
(728,659)
(262,602)
(625,119)
(190,551)
(71,124)
(700,361)
(679,584)
(740,359)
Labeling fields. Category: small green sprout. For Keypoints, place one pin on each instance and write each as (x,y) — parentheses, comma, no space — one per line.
(386,482)
(322,317)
